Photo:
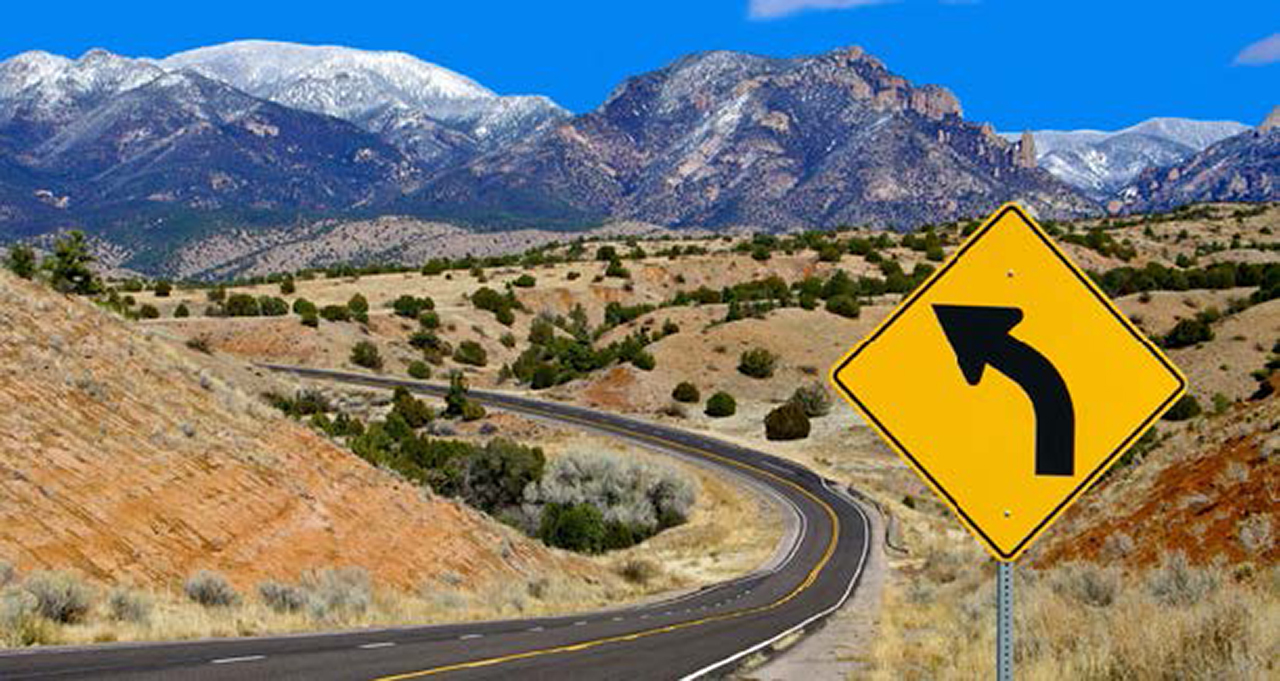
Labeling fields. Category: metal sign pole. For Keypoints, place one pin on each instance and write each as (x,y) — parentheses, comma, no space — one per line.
(1004,622)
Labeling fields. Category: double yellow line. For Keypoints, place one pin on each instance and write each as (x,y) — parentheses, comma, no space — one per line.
(586,645)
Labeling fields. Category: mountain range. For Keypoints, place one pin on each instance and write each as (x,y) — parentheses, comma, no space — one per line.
(153,154)
(1102,163)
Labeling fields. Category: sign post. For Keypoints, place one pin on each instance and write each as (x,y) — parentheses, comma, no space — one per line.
(1009,383)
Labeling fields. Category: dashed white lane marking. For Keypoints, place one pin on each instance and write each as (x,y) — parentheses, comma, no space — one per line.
(468,637)
(233,660)
(380,644)
(580,623)
(536,629)
(617,619)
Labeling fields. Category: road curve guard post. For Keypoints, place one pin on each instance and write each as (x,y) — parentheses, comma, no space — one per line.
(1009,383)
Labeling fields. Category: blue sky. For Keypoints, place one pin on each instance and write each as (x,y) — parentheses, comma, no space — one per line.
(1018,64)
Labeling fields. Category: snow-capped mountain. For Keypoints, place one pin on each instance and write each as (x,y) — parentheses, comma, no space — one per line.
(427,110)
(1101,163)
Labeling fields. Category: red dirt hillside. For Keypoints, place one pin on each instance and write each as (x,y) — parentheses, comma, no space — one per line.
(125,456)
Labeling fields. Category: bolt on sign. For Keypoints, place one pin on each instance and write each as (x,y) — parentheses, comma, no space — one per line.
(1009,382)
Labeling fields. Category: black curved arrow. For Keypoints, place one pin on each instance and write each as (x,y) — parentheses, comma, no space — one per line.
(980,336)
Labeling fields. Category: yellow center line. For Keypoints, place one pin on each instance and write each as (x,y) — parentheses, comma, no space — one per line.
(585,645)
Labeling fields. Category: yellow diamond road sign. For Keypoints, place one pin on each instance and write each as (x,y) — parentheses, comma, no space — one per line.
(1009,382)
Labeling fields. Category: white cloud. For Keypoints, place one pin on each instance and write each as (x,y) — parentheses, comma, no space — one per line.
(773,9)
(1265,51)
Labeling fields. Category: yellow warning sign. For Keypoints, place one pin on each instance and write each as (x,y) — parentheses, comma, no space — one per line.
(1009,382)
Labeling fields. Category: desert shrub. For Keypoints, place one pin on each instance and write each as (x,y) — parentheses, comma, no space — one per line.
(639,570)
(288,287)
(505,316)
(22,261)
(1086,583)
(365,354)
(471,352)
(845,306)
(127,605)
(414,411)
(200,344)
(457,404)
(787,422)
(617,270)
(338,593)
(757,363)
(359,305)
(1187,332)
(813,399)
(217,294)
(302,306)
(429,320)
(644,360)
(271,306)
(311,319)
(182,311)
(1185,408)
(148,311)
(577,527)
(498,473)
(411,306)
(20,621)
(635,499)
(60,596)
(686,392)
(8,573)
(525,281)
(69,266)
(210,589)
(163,289)
(241,305)
(721,405)
(472,411)
(419,369)
(335,313)
(282,598)
(508,340)
(1177,583)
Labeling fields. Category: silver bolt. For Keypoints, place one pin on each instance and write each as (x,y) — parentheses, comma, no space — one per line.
(1007,513)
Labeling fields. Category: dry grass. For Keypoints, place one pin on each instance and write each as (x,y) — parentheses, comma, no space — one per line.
(1080,621)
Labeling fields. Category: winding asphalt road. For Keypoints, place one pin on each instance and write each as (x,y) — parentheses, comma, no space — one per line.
(701,634)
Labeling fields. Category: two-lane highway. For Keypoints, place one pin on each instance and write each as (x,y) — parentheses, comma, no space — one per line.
(700,634)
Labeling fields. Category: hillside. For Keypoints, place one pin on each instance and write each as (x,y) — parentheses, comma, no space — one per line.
(130,458)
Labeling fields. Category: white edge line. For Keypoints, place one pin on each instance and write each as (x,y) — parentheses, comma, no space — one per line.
(242,658)
(372,646)
(866,548)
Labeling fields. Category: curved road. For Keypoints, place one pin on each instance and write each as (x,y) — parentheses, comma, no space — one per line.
(701,634)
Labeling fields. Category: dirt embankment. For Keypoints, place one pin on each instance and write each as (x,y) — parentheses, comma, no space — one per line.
(126,456)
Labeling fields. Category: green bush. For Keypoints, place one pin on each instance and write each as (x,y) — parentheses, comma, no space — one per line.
(288,287)
(127,605)
(282,598)
(181,311)
(616,270)
(148,311)
(335,313)
(358,304)
(757,363)
(1187,332)
(68,267)
(787,422)
(302,306)
(271,306)
(505,316)
(508,340)
(412,410)
(471,352)
(721,405)
(163,289)
(22,261)
(365,354)
(644,361)
(498,473)
(525,281)
(686,392)
(845,306)
(411,306)
(311,319)
(577,527)
(429,320)
(241,305)
(1185,408)
(420,370)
